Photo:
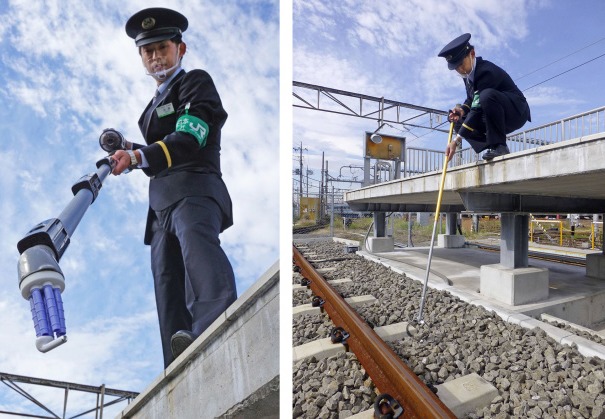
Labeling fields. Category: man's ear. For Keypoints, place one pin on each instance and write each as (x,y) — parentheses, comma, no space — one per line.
(182,48)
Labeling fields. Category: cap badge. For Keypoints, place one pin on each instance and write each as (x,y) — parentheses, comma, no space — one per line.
(148,23)
(448,58)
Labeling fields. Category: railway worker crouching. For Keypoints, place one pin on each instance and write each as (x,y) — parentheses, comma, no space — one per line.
(494,105)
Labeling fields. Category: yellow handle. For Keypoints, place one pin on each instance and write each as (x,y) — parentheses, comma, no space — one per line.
(449,140)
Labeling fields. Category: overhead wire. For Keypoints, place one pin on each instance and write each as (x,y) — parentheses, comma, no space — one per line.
(431,129)
(409,131)
(537,84)
(560,59)
(563,72)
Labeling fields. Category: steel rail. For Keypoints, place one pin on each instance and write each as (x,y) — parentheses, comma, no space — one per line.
(388,372)
(551,257)
(308,229)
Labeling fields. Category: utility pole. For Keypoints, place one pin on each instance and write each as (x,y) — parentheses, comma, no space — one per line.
(321,188)
(300,174)
(307,173)
(300,161)
(326,186)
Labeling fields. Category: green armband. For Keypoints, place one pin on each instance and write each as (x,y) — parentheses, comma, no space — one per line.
(476,104)
(194,126)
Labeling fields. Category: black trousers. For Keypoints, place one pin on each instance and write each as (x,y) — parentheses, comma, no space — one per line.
(193,278)
(487,126)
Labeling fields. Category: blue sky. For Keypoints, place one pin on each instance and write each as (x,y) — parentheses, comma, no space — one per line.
(389,49)
(69,71)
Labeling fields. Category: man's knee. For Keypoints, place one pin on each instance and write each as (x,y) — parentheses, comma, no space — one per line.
(490,99)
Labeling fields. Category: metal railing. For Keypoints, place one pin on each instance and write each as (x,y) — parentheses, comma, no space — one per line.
(419,160)
(576,126)
(422,160)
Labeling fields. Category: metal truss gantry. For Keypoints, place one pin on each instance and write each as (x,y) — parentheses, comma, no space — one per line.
(308,96)
(102,392)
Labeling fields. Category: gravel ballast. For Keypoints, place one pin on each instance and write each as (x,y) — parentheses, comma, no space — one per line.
(534,375)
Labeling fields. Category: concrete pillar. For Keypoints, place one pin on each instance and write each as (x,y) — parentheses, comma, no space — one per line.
(397,174)
(595,262)
(410,226)
(513,281)
(380,224)
(366,173)
(514,286)
(423,218)
(595,265)
(450,239)
(380,244)
(451,222)
(513,240)
(475,223)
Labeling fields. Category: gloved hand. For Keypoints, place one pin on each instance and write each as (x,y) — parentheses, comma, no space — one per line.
(455,114)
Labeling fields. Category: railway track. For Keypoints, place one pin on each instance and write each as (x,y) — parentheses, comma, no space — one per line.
(307,229)
(533,376)
(387,371)
(567,260)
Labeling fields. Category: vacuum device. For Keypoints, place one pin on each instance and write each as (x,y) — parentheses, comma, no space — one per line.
(420,318)
(41,280)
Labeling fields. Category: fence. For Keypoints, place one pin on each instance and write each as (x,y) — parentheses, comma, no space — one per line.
(576,126)
(420,160)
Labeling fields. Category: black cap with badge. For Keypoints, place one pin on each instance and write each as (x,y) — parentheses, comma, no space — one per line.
(154,25)
(455,51)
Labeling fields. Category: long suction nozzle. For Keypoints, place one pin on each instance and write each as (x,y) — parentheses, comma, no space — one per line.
(420,318)
(41,280)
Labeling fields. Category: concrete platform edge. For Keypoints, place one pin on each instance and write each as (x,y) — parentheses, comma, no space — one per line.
(245,309)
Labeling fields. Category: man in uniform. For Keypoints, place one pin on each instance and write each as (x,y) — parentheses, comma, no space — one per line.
(494,105)
(189,204)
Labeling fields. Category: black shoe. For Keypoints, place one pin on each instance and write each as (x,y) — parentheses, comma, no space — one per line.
(500,150)
(180,341)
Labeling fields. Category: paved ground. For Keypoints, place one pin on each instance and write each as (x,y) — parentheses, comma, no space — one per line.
(460,268)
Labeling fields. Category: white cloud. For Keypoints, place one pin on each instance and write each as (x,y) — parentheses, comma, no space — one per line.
(83,359)
(71,71)
(389,49)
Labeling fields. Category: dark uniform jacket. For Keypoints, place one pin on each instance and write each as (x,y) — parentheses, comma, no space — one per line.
(489,75)
(181,166)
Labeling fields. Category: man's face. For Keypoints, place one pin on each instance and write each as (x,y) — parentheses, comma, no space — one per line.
(467,64)
(160,56)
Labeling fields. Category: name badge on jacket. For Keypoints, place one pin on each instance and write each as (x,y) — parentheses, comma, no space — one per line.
(165,110)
